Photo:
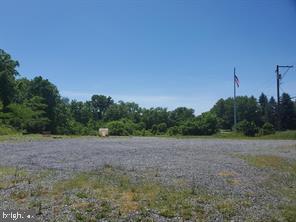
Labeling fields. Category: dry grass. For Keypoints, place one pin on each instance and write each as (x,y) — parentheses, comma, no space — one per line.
(227,173)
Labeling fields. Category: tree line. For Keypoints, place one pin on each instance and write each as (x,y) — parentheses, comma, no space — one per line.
(36,106)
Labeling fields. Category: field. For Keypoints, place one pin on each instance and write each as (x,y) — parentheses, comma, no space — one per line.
(150,179)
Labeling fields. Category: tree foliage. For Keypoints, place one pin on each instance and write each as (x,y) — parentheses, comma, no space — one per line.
(35,106)
(8,73)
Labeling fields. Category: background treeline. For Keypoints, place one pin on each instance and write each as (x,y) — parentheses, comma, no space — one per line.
(35,106)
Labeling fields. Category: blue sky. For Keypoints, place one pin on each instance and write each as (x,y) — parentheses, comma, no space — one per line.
(165,53)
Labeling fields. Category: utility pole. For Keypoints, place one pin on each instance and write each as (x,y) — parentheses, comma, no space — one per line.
(278,82)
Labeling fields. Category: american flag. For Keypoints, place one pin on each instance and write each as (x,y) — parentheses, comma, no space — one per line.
(236,80)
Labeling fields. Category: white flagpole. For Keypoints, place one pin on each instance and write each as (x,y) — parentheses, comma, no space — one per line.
(234,101)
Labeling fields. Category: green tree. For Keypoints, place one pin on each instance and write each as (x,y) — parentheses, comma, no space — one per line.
(181,114)
(8,73)
(49,92)
(247,109)
(100,104)
(287,112)
(18,116)
(155,116)
(208,123)
(247,128)
(272,111)
(82,112)
(115,112)
(267,129)
(22,90)
(264,107)
(66,123)
(38,121)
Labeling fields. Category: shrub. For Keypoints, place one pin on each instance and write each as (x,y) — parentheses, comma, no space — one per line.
(159,128)
(206,124)
(267,129)
(6,130)
(190,128)
(247,128)
(147,133)
(124,127)
(172,131)
(162,128)
(117,128)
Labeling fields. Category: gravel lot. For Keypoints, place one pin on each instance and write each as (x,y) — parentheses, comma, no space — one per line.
(202,161)
(203,158)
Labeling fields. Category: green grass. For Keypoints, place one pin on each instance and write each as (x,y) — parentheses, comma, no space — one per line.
(9,176)
(281,182)
(120,192)
(21,138)
(113,194)
(283,135)
(6,130)
(38,137)
(289,213)
(280,135)
(269,161)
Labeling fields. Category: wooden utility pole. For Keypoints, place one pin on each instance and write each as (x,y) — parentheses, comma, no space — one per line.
(278,83)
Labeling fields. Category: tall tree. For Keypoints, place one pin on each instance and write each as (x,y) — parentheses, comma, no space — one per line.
(247,109)
(82,112)
(100,104)
(22,90)
(155,116)
(181,114)
(8,73)
(38,122)
(264,107)
(272,111)
(287,112)
(49,92)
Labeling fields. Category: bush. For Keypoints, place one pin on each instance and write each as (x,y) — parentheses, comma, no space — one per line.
(117,128)
(124,127)
(206,124)
(6,130)
(247,128)
(162,128)
(190,128)
(267,129)
(173,131)
(159,128)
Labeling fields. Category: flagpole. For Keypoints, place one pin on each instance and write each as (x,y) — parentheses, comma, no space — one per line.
(234,101)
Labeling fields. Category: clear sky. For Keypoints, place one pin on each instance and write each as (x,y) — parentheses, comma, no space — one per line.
(165,53)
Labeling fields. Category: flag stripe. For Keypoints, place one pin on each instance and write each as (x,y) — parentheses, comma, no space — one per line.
(236,80)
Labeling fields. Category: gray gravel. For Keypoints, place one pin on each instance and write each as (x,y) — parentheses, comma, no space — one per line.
(205,160)
(202,158)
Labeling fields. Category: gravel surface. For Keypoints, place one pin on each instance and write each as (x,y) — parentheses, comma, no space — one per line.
(203,158)
(205,162)
(200,158)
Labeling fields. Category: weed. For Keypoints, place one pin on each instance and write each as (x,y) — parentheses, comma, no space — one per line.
(19,195)
(82,195)
(289,213)
(274,162)
(79,216)
(226,208)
